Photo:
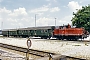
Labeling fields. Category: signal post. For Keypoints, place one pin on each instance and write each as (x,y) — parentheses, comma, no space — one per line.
(28,45)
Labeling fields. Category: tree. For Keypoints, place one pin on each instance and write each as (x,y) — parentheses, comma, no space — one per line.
(82,18)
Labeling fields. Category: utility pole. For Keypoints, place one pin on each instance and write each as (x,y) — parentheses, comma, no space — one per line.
(55,21)
(2,25)
(35,19)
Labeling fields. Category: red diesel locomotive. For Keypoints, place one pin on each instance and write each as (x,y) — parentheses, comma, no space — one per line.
(69,33)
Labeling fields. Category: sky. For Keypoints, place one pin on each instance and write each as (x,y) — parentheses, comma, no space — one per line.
(16,14)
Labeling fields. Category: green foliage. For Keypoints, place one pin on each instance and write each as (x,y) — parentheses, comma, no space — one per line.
(82,18)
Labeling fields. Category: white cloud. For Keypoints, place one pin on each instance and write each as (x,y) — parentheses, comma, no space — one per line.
(43,21)
(16,12)
(19,11)
(4,10)
(20,18)
(66,20)
(74,5)
(15,18)
(45,9)
(54,9)
(41,9)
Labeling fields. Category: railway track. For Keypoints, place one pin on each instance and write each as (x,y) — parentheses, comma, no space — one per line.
(38,53)
(24,50)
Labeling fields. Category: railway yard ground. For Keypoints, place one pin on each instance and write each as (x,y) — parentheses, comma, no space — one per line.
(78,49)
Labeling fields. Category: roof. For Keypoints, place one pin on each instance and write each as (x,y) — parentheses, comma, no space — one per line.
(35,28)
(30,28)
